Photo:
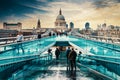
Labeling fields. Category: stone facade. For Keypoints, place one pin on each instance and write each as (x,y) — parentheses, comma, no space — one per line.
(12,26)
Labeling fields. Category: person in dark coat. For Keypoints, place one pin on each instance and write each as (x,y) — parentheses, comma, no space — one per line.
(49,33)
(67,54)
(39,36)
(72,58)
(57,53)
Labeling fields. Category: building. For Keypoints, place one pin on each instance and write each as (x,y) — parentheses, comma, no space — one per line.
(102,30)
(12,26)
(38,24)
(87,30)
(71,25)
(113,31)
(60,23)
(8,33)
(87,25)
(108,31)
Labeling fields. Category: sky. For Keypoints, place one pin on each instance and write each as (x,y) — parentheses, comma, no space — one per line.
(77,11)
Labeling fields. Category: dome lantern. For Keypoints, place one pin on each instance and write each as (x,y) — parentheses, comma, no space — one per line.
(60,16)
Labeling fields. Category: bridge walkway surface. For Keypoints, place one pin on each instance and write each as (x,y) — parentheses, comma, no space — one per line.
(55,70)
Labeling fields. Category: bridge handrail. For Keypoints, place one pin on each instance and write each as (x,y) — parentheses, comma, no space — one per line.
(22,42)
(15,62)
(104,37)
(13,39)
(34,57)
(18,57)
(97,36)
(7,38)
(113,62)
(105,43)
(28,55)
(100,37)
(96,72)
(101,56)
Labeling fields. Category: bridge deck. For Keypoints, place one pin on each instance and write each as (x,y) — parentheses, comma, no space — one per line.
(56,70)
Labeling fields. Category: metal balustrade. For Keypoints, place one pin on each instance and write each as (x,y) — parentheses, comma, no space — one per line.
(6,63)
(104,64)
(15,65)
(110,58)
(8,40)
(13,39)
(42,61)
(12,60)
(105,39)
(13,46)
(106,48)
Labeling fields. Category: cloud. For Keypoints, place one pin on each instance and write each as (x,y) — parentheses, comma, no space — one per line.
(104,3)
(19,7)
(77,11)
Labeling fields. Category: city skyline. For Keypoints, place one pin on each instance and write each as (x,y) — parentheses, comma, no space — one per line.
(78,11)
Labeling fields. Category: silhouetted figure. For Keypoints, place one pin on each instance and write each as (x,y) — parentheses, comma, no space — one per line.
(49,50)
(57,33)
(39,36)
(50,54)
(53,34)
(49,33)
(72,58)
(67,54)
(57,53)
(79,56)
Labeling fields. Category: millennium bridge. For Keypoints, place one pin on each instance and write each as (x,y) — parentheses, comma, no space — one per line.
(29,60)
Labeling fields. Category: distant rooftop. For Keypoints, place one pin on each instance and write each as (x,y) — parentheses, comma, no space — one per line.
(11,24)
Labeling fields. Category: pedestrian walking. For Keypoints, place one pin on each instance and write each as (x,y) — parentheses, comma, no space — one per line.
(57,53)
(67,54)
(39,36)
(72,57)
(20,37)
(49,54)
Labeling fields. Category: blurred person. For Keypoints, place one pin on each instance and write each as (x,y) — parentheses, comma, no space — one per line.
(20,37)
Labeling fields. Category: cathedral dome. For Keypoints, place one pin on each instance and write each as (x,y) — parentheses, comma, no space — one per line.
(60,22)
(60,17)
